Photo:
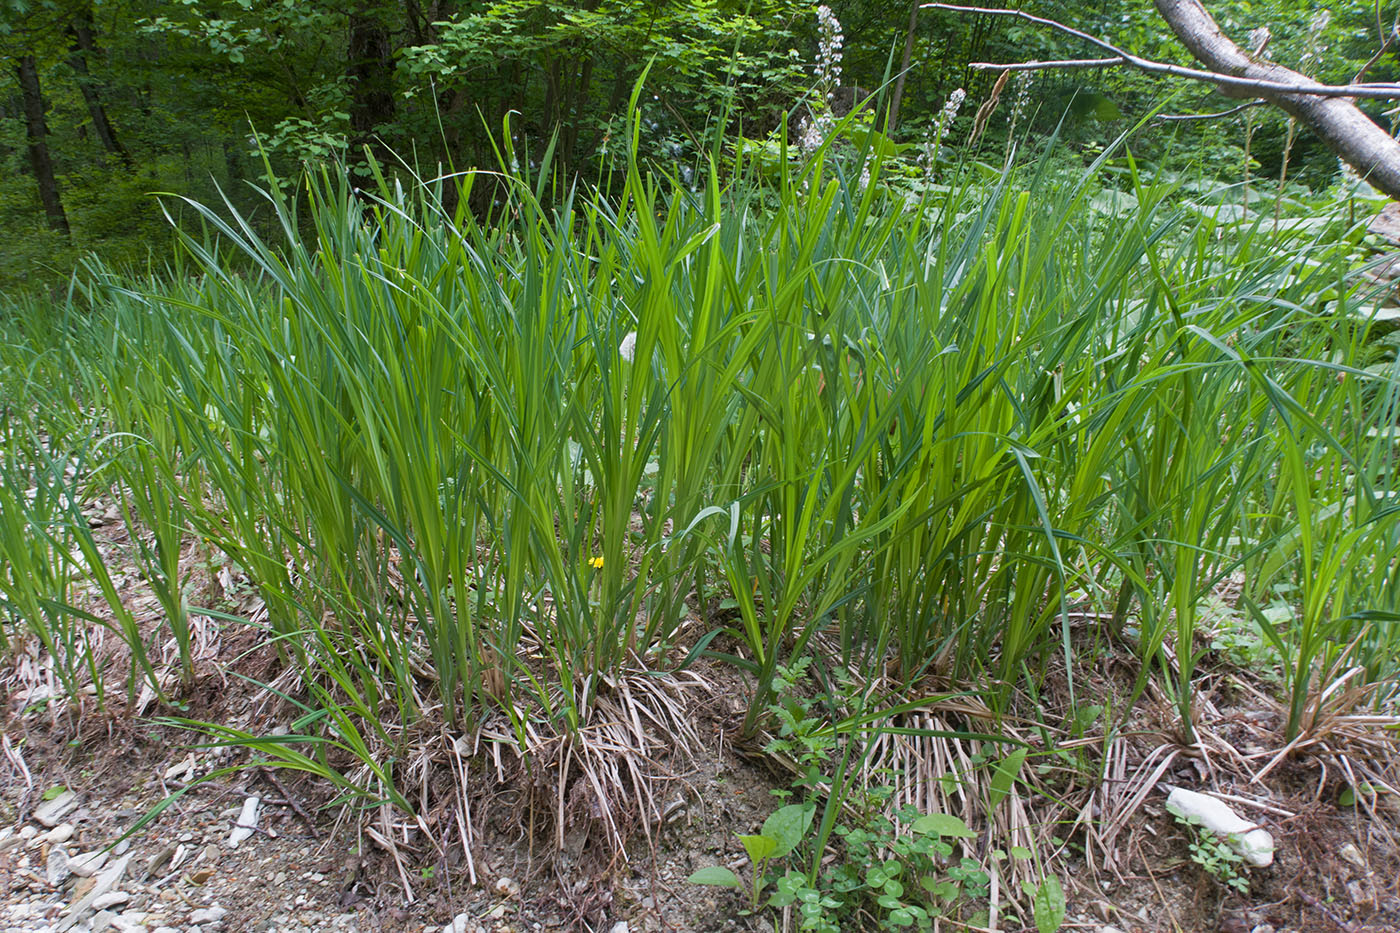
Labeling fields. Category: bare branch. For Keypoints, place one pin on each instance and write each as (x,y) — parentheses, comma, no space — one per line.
(1184,117)
(1380,53)
(1262,86)
(1042,66)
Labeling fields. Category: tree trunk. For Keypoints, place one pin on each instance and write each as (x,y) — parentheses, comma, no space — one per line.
(371,73)
(37,131)
(551,96)
(1338,122)
(577,106)
(82,46)
(233,160)
(904,60)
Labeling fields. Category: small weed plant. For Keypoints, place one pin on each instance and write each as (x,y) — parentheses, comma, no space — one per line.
(904,871)
(1215,856)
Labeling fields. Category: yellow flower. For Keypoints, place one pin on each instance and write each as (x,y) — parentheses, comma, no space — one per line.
(596,562)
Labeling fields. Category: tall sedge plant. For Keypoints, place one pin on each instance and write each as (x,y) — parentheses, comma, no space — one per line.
(486,469)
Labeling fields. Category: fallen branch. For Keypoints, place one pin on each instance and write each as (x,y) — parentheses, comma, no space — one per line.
(1302,85)
(290,801)
(1348,132)
(1328,110)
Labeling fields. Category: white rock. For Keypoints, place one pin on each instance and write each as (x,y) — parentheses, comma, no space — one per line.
(181,771)
(208,914)
(88,863)
(52,812)
(103,920)
(506,886)
(28,832)
(1352,854)
(110,899)
(620,927)
(104,883)
(247,822)
(60,833)
(56,868)
(1254,844)
(460,924)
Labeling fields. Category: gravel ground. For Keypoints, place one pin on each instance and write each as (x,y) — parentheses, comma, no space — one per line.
(66,870)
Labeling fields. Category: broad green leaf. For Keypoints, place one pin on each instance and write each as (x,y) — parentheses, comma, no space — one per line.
(1049,905)
(942,824)
(787,825)
(1004,777)
(715,875)
(759,847)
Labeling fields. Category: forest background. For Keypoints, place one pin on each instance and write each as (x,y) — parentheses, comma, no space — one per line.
(124,98)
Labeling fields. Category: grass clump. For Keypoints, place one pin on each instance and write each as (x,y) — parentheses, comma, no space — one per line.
(505,476)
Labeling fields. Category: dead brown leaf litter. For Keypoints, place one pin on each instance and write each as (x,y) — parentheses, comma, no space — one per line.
(506,842)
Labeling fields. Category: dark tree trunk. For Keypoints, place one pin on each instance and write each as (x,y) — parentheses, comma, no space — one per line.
(898,95)
(82,46)
(371,73)
(233,160)
(578,104)
(551,96)
(37,131)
